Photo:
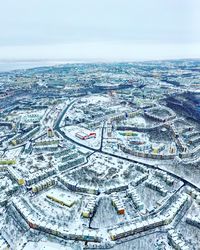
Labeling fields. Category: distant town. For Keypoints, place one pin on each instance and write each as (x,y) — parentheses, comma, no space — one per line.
(101,156)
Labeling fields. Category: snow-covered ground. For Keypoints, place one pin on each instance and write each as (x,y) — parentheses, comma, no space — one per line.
(47,245)
(71,131)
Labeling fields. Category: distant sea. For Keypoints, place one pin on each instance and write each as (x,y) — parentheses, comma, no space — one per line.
(6,66)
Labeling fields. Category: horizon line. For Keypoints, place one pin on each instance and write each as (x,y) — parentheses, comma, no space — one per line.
(95,60)
(63,62)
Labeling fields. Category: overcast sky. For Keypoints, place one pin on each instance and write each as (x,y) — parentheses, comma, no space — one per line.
(99,29)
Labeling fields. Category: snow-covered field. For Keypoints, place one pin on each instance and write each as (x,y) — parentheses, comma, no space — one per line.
(71,131)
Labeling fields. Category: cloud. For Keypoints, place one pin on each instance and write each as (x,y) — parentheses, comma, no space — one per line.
(93,29)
